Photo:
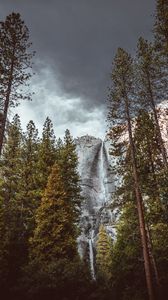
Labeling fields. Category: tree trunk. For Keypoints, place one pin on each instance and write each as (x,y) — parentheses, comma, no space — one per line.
(156,199)
(6,106)
(139,201)
(153,261)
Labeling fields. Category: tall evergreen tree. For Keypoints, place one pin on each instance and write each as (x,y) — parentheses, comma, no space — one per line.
(127,270)
(68,162)
(151,85)
(59,148)
(4,249)
(11,160)
(29,192)
(149,165)
(54,233)
(161,27)
(149,160)
(15,65)
(104,254)
(46,153)
(121,102)
(12,247)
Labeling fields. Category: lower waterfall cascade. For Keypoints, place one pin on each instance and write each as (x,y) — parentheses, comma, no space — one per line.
(91,256)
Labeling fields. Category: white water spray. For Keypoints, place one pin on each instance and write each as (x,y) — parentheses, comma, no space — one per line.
(91,255)
(102,174)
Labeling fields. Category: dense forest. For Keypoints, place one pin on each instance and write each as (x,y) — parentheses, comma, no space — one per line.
(40,192)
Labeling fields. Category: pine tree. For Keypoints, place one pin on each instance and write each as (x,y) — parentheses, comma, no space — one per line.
(46,153)
(161,27)
(12,246)
(54,233)
(29,191)
(149,165)
(11,160)
(68,162)
(148,154)
(126,269)
(159,233)
(104,253)
(15,65)
(59,148)
(151,85)
(3,246)
(121,106)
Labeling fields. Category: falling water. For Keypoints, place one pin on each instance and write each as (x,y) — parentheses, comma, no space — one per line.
(101,160)
(102,174)
(91,255)
(96,186)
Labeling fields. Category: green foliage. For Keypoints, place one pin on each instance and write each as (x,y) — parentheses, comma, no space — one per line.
(103,255)
(152,85)
(46,154)
(15,66)
(159,234)
(127,256)
(122,87)
(29,192)
(148,154)
(161,26)
(11,160)
(67,161)
(15,58)
(11,224)
(61,279)
(121,106)
(151,80)
(18,195)
(140,150)
(127,269)
(53,247)
(54,233)
(3,246)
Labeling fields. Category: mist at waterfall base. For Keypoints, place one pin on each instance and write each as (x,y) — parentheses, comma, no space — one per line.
(97,185)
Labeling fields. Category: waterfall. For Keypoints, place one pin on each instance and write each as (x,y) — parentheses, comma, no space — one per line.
(91,255)
(102,173)
(98,165)
(97,185)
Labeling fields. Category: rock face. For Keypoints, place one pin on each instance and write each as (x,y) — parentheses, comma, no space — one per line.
(97,186)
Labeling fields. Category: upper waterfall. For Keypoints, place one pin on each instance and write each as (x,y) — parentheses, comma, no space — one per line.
(94,169)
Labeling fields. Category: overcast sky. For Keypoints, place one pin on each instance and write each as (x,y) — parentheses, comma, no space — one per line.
(75,41)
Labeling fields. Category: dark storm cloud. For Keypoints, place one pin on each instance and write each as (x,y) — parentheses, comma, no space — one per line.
(78,38)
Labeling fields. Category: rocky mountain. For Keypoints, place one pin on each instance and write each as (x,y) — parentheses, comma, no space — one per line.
(97,184)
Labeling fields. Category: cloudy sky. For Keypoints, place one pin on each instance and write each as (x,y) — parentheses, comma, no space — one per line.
(75,41)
